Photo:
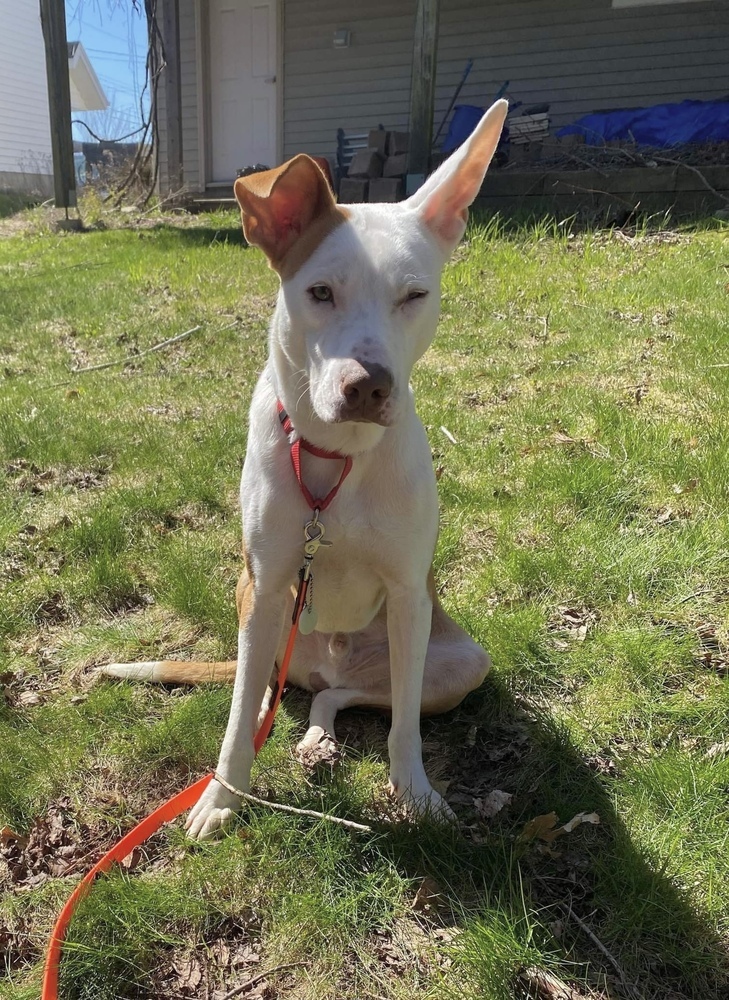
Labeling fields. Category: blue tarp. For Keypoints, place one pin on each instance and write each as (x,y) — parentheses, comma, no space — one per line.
(659,125)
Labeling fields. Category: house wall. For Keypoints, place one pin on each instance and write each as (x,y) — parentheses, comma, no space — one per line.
(191,75)
(578,55)
(583,55)
(25,134)
(365,85)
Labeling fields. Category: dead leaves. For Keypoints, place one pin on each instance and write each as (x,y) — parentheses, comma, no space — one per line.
(57,845)
(541,984)
(572,623)
(572,445)
(713,652)
(216,966)
(544,828)
(16,945)
(27,477)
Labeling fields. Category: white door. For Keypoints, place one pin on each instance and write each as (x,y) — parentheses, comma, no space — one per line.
(242,61)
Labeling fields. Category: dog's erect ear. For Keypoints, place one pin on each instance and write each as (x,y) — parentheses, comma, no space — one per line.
(444,198)
(277,206)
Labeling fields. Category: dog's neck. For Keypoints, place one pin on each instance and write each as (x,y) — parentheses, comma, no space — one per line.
(291,388)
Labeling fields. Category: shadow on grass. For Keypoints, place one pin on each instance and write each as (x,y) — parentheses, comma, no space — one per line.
(591,900)
(228,232)
(593,906)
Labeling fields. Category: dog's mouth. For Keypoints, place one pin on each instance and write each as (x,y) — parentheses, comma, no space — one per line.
(383,415)
(380,422)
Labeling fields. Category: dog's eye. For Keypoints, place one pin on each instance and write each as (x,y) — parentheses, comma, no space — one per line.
(321,293)
(413,295)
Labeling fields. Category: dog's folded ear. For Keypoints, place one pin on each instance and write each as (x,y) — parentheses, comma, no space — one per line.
(444,198)
(278,206)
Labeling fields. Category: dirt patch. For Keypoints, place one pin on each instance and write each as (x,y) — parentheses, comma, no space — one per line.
(27,477)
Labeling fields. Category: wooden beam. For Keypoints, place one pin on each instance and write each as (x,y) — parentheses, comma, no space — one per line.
(422,88)
(53,22)
(173,94)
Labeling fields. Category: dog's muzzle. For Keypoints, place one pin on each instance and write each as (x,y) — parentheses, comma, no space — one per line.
(365,393)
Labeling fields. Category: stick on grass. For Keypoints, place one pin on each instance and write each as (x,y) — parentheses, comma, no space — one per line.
(133,357)
(237,990)
(350,824)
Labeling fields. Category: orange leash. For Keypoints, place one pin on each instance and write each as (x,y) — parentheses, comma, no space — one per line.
(313,539)
(164,814)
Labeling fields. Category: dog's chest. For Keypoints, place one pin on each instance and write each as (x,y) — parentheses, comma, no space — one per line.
(347,587)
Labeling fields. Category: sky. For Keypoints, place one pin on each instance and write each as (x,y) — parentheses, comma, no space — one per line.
(115,38)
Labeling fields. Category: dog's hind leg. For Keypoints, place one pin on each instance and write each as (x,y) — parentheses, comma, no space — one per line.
(319,745)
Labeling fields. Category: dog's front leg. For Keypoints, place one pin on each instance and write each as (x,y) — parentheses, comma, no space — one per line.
(261,624)
(408,629)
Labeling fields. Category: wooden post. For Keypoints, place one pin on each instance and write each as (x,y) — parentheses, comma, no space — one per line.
(53,21)
(173,94)
(422,91)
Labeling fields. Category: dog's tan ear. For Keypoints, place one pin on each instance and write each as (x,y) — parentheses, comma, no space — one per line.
(277,206)
(444,199)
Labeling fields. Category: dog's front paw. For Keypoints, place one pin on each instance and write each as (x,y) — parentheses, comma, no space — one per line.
(214,811)
(422,802)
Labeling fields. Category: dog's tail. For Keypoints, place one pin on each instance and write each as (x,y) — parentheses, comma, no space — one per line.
(173,671)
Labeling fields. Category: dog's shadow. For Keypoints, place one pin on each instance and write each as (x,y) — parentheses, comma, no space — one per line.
(591,898)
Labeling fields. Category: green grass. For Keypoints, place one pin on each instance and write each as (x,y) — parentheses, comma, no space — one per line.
(583,541)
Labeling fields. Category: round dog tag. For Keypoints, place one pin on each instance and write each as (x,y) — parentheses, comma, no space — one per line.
(307,621)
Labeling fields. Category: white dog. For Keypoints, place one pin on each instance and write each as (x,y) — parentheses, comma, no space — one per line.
(357,307)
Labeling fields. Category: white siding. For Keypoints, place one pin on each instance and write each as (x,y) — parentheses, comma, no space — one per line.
(25,134)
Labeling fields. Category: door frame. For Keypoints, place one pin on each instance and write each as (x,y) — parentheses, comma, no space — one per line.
(204,111)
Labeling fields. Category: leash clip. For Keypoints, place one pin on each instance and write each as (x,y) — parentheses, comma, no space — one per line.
(313,536)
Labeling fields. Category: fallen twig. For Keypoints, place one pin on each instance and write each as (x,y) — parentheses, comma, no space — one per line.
(259,978)
(625,982)
(305,812)
(694,170)
(133,357)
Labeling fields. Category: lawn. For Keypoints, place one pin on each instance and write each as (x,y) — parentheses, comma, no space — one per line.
(576,402)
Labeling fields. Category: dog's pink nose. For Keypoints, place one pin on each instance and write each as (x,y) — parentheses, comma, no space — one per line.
(364,389)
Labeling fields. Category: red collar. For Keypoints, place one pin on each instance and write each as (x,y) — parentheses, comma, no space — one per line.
(296,446)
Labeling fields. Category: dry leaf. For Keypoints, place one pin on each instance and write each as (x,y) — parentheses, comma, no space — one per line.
(544,985)
(28,698)
(132,859)
(189,973)
(538,827)
(494,802)
(545,827)
(582,817)
(8,836)
(428,894)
